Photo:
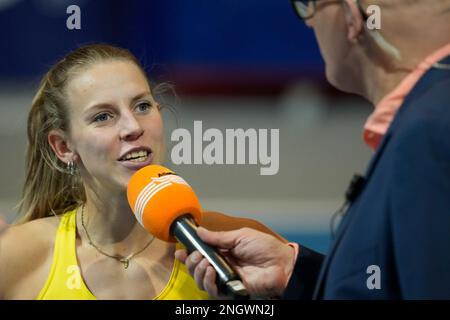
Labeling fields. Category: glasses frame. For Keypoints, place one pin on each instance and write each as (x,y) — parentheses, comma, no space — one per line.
(294,6)
(314,3)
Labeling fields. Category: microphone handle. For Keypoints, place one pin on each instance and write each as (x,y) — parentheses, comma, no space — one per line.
(184,229)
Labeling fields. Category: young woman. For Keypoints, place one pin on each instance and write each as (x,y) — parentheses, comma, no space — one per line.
(92,124)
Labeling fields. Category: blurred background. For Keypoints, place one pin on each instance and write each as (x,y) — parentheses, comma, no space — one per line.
(234,64)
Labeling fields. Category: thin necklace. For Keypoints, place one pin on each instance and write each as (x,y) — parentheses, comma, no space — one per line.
(124,260)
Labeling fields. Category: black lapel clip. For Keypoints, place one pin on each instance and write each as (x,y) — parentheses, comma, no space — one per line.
(355,187)
(353,190)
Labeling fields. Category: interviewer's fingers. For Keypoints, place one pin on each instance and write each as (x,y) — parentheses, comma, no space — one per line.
(204,275)
(199,273)
(181,254)
(220,239)
(192,261)
(209,282)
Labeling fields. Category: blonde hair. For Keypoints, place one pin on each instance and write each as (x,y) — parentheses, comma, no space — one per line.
(50,188)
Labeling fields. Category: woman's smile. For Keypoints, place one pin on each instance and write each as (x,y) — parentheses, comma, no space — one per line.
(136,158)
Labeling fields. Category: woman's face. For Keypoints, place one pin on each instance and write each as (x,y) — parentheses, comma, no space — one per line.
(115,124)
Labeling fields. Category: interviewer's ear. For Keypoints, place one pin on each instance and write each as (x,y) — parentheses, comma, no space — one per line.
(58,142)
(354,20)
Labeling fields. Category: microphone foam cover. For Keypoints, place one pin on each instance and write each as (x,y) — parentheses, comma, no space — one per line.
(158,196)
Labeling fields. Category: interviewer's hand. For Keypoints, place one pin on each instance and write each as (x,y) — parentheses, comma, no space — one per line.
(263,262)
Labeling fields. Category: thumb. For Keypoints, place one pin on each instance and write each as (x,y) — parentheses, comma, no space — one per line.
(220,239)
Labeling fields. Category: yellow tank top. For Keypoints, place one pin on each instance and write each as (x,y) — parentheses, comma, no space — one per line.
(66,283)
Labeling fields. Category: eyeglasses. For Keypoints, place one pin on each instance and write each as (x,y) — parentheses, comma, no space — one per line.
(305,9)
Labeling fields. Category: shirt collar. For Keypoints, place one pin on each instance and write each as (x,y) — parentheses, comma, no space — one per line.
(379,121)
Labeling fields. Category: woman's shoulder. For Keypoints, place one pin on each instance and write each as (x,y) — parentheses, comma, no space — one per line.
(25,247)
(217,221)
(35,232)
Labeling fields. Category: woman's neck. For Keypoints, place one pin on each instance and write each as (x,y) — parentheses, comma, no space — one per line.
(109,222)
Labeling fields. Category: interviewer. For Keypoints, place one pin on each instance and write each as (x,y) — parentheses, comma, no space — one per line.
(397,229)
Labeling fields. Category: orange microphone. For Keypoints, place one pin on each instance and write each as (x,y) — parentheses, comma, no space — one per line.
(167,207)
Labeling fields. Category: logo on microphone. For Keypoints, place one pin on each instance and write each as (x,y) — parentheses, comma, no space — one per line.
(161,174)
(151,189)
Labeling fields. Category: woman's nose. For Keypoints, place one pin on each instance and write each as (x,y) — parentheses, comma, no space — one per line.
(131,129)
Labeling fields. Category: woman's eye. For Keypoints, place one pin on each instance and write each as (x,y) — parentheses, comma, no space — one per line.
(102,117)
(143,107)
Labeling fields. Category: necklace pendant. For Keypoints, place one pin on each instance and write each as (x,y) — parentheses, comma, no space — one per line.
(125,262)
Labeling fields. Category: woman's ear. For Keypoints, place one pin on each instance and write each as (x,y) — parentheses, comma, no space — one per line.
(354,20)
(58,142)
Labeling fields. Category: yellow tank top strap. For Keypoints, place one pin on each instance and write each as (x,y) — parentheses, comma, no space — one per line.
(65,280)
